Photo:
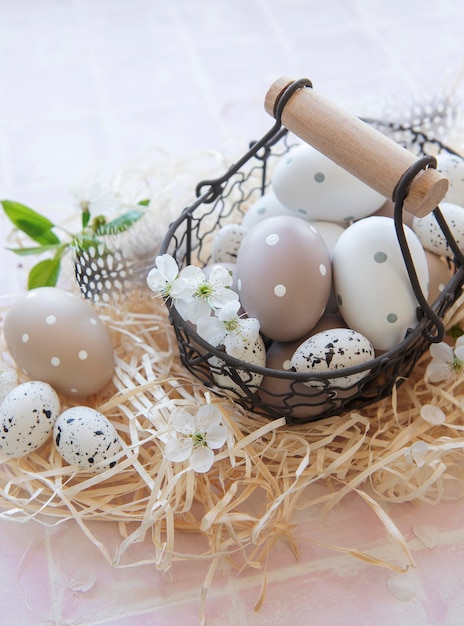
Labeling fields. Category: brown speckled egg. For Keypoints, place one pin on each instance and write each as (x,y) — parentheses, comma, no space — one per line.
(57,338)
(284,276)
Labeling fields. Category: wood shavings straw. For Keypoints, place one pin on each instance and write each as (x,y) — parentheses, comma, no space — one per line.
(246,502)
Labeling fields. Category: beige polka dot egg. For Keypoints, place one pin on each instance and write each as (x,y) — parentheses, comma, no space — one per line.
(57,338)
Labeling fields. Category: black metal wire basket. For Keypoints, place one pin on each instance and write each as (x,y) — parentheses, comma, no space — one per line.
(225,200)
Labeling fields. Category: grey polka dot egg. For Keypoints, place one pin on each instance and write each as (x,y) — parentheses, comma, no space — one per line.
(331,351)
(86,438)
(57,337)
(27,416)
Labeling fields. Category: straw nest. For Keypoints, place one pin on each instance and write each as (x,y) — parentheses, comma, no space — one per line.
(244,504)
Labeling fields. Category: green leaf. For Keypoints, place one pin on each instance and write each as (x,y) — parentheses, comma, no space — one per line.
(36,250)
(144,202)
(36,226)
(44,274)
(120,224)
(85,218)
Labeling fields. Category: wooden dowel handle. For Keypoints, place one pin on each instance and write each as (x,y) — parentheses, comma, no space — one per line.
(356,146)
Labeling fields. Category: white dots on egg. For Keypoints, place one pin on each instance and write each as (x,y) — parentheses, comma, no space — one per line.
(24,337)
(50,319)
(83,355)
(272,240)
(280,291)
(322,269)
(55,361)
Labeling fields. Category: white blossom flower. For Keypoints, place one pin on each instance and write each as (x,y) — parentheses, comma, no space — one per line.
(228,329)
(432,414)
(92,196)
(163,276)
(197,295)
(196,437)
(446,363)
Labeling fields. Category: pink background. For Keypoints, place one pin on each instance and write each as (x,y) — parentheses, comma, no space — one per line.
(89,84)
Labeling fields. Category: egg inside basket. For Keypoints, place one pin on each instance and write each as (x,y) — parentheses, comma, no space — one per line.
(406,175)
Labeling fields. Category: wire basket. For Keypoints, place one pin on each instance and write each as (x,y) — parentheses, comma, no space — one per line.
(282,393)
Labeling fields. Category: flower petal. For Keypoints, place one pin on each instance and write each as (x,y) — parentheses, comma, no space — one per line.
(167,266)
(459,352)
(441,352)
(216,436)
(419,451)
(178,450)
(229,311)
(211,329)
(202,459)
(208,415)
(437,371)
(183,422)
(432,414)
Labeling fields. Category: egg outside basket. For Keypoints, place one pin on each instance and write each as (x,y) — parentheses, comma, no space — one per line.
(225,200)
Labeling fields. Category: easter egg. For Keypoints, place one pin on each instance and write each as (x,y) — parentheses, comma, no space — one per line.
(227,242)
(57,337)
(267,206)
(371,283)
(316,188)
(27,417)
(431,235)
(284,276)
(86,438)
(333,350)
(452,166)
(440,273)
(286,394)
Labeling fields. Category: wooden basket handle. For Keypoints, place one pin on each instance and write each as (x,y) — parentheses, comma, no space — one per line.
(356,146)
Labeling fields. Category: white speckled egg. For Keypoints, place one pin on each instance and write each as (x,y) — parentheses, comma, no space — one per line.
(27,416)
(253,352)
(333,350)
(86,438)
(284,276)
(372,287)
(57,337)
(430,234)
(308,182)
(452,166)
(267,206)
(227,242)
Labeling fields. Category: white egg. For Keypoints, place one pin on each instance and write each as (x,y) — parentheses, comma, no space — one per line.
(331,351)
(372,286)
(452,166)
(86,438)
(267,206)
(227,242)
(316,188)
(330,232)
(27,416)
(430,234)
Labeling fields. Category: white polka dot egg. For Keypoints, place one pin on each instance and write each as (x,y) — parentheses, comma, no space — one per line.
(284,276)
(56,337)
(86,439)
